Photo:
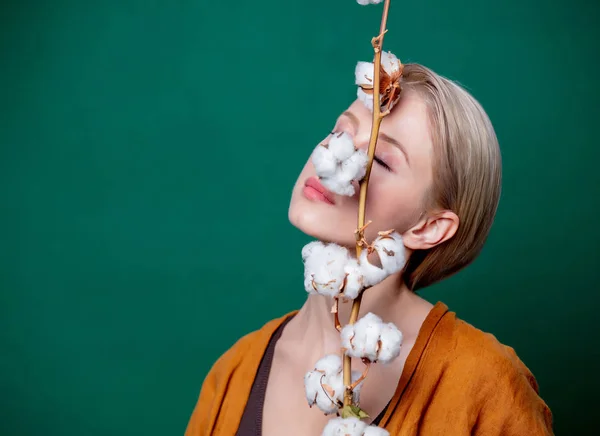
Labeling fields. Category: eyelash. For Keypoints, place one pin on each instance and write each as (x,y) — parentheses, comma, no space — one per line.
(375,158)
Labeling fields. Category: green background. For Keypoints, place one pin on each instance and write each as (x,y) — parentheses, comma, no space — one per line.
(147,154)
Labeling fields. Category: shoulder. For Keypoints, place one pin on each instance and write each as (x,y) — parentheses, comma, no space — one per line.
(236,367)
(483,355)
(249,347)
(498,385)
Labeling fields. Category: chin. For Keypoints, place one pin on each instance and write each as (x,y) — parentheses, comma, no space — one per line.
(312,220)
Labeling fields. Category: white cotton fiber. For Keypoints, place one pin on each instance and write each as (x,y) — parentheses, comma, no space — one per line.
(338,186)
(355,167)
(311,248)
(371,339)
(344,427)
(372,274)
(329,365)
(375,431)
(324,269)
(368,2)
(390,63)
(360,339)
(341,146)
(364,78)
(312,386)
(366,99)
(324,384)
(354,279)
(390,249)
(339,164)
(363,74)
(324,162)
(391,341)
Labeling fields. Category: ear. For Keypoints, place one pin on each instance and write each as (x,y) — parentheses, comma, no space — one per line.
(431,231)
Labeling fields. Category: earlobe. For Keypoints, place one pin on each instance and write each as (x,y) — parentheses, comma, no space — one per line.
(431,231)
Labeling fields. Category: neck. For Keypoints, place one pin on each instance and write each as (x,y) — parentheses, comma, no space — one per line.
(391,300)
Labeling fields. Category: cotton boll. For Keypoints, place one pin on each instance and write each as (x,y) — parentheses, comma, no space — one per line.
(363,74)
(336,382)
(324,385)
(361,339)
(324,162)
(325,402)
(324,270)
(366,99)
(341,146)
(375,431)
(312,386)
(339,186)
(329,365)
(390,342)
(355,167)
(390,249)
(354,279)
(390,63)
(344,427)
(371,339)
(372,274)
(366,2)
(311,248)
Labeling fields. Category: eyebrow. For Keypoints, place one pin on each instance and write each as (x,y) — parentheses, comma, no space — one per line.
(356,122)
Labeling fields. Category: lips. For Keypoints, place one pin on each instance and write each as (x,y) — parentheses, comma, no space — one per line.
(314,190)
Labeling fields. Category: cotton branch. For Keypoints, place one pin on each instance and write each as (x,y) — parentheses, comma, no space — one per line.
(378,116)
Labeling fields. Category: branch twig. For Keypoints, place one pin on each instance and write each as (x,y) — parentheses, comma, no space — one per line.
(377,43)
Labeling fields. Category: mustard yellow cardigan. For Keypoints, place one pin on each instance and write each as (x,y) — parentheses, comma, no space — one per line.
(457,380)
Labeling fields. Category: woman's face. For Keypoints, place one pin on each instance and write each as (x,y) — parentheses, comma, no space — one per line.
(399,182)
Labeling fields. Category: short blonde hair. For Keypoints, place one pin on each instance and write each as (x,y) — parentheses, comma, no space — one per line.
(467,174)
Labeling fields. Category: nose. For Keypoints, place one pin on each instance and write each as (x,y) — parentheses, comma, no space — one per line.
(362,138)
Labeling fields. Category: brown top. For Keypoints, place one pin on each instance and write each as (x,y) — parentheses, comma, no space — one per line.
(457,380)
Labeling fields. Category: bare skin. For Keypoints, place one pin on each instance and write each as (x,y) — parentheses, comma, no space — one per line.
(398,190)
(311,335)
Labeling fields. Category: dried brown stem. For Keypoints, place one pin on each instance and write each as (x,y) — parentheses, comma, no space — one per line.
(336,314)
(362,376)
(377,117)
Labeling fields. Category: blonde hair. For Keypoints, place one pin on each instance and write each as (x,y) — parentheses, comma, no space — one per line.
(467,174)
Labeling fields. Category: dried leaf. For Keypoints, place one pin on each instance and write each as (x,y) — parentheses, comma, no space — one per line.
(354,411)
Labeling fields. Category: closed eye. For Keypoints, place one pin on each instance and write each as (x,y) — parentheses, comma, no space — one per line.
(382,163)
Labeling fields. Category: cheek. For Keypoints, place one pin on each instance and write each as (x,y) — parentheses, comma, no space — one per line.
(393,203)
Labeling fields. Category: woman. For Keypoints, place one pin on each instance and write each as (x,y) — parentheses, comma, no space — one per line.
(436,181)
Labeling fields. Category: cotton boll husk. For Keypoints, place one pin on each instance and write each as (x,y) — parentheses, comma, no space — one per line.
(324,162)
(391,341)
(339,186)
(344,427)
(324,270)
(372,274)
(341,146)
(375,431)
(354,279)
(391,252)
(366,99)
(390,63)
(363,74)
